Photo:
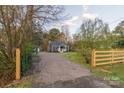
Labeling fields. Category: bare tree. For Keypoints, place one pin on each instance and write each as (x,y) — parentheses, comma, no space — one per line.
(92,31)
(65,30)
(17,24)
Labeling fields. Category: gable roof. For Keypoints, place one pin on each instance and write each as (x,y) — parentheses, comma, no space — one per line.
(56,43)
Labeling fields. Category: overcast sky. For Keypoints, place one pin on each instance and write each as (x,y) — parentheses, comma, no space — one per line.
(111,14)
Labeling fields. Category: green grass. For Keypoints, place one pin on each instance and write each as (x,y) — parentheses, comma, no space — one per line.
(75,58)
(24,84)
(27,83)
(109,72)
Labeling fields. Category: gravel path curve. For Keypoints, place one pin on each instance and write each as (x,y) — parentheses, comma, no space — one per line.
(53,70)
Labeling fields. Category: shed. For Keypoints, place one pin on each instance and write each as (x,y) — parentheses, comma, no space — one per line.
(57,46)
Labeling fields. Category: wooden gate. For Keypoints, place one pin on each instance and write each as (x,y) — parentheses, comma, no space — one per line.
(107,57)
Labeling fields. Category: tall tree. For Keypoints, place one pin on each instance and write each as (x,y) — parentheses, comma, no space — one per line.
(53,34)
(92,31)
(118,34)
(92,34)
(65,30)
(17,24)
(119,29)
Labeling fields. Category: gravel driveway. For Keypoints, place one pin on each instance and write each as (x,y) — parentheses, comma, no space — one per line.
(53,70)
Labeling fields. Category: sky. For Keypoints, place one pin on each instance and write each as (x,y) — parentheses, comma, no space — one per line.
(111,14)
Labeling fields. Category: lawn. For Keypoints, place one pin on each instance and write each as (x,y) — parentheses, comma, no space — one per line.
(109,72)
(24,83)
(75,57)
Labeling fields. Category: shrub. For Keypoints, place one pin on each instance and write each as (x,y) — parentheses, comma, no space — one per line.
(7,70)
(86,55)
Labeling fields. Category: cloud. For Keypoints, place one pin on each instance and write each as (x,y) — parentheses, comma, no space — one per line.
(73,18)
(89,16)
(86,14)
(71,21)
(68,23)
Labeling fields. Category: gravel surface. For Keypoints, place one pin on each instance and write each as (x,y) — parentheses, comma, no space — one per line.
(54,71)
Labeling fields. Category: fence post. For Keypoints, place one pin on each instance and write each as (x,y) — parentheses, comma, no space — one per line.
(17,64)
(93,62)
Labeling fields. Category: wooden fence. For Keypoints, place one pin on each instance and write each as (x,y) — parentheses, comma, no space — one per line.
(107,57)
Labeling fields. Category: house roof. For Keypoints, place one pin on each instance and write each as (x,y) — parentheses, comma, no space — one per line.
(56,43)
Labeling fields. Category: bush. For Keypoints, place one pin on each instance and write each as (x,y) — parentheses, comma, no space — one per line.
(7,67)
(27,46)
(86,55)
(26,57)
(118,44)
(7,70)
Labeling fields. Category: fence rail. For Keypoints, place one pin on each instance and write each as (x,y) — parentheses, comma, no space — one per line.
(107,57)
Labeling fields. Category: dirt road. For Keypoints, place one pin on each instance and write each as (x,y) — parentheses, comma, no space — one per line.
(53,70)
